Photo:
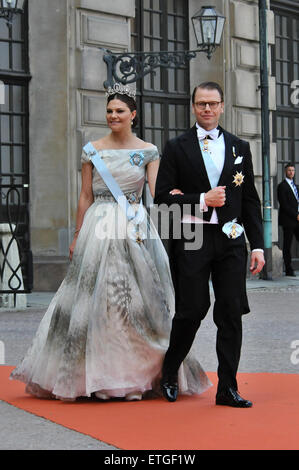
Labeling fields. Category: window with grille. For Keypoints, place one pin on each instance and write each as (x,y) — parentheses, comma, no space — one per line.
(14,107)
(163,97)
(285,67)
(14,124)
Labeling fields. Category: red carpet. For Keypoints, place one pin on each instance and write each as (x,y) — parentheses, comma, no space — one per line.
(190,423)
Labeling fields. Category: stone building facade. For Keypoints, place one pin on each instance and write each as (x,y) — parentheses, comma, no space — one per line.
(66,98)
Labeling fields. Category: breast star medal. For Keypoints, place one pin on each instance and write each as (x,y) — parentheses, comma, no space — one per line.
(238,178)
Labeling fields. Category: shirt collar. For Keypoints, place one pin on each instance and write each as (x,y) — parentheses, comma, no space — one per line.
(213,133)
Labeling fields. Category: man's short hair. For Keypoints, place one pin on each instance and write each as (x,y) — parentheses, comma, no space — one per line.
(288,165)
(208,86)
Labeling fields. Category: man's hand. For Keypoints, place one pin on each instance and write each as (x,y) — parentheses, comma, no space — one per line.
(215,197)
(257,262)
(298,217)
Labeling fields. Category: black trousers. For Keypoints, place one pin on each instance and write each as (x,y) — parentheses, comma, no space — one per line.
(224,260)
(288,234)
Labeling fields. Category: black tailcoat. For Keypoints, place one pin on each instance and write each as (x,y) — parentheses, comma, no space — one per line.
(288,205)
(182,167)
(287,218)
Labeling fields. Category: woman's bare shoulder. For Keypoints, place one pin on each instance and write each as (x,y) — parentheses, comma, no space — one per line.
(100,144)
(144,145)
(106,143)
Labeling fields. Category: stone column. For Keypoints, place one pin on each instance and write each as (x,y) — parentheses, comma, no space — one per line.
(67,108)
(244,78)
(48,138)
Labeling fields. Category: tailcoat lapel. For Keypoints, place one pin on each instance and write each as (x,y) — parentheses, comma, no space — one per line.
(190,145)
(229,158)
(289,189)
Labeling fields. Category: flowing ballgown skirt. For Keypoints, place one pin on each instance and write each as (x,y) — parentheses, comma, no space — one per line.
(107,328)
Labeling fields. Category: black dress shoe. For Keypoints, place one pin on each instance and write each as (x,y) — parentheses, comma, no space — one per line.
(231,398)
(169,387)
(290,272)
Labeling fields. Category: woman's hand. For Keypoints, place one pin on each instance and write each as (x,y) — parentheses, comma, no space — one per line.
(72,247)
(174,192)
(85,200)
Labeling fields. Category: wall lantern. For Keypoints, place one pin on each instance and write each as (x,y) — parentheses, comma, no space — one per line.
(208,27)
(8,8)
(128,67)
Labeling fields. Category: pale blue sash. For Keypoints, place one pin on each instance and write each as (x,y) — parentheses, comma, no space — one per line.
(113,186)
(212,170)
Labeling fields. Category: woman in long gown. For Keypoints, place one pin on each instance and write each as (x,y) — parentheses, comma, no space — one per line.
(107,328)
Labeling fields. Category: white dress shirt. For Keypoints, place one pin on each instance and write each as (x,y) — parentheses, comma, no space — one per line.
(217,150)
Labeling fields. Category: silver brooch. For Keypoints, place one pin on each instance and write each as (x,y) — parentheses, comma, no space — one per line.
(91,154)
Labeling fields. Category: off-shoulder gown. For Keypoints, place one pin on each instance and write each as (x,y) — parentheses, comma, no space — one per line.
(107,328)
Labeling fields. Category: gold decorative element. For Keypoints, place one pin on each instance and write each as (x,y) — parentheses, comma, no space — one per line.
(135,233)
(233,232)
(234,152)
(238,178)
(139,238)
(205,147)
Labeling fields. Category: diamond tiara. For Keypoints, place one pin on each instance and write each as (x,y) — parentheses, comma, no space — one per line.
(120,89)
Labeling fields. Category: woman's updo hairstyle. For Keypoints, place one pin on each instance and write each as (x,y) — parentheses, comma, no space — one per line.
(129,101)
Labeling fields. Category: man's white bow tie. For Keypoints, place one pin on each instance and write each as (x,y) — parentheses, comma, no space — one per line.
(202,133)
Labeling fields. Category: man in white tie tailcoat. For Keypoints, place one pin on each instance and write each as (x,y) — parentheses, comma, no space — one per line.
(288,215)
(210,171)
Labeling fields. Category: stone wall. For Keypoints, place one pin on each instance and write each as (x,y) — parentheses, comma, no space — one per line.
(67,105)
(244,79)
(48,135)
